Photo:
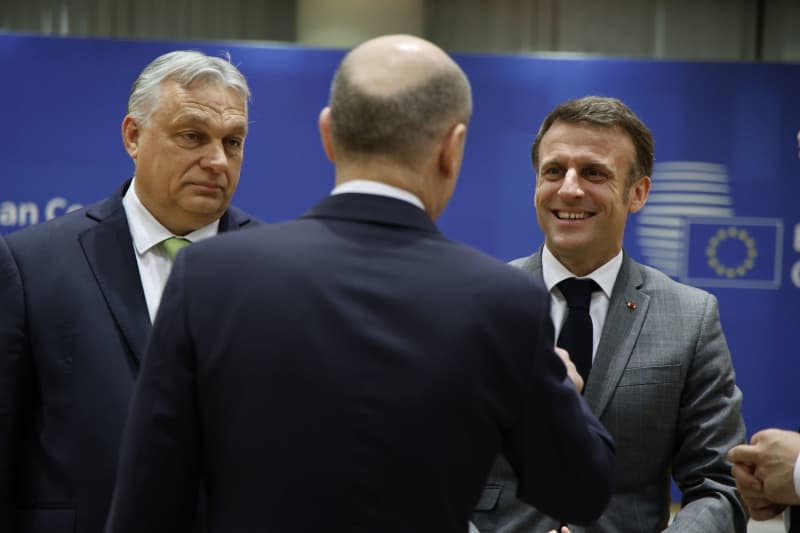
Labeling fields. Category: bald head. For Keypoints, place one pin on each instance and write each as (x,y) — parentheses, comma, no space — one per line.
(394,96)
(395,64)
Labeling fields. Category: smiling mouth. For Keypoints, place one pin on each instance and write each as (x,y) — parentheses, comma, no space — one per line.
(572,215)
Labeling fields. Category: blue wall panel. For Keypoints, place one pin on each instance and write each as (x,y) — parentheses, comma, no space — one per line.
(728,128)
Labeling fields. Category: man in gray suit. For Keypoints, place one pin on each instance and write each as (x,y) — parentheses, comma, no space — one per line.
(660,376)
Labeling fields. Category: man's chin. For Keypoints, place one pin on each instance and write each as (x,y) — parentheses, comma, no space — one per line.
(205,205)
(203,215)
(568,245)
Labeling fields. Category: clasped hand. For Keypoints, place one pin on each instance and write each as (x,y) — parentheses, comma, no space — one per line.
(764,471)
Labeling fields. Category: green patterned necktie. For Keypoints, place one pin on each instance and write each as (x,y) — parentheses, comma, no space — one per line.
(173,244)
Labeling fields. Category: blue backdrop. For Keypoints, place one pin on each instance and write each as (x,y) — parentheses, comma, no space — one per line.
(723,213)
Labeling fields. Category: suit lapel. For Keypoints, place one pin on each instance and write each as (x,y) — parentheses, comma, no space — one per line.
(108,248)
(620,332)
(233,219)
(621,329)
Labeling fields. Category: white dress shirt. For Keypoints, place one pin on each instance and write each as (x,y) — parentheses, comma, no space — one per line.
(787,516)
(553,272)
(797,475)
(379,189)
(153,262)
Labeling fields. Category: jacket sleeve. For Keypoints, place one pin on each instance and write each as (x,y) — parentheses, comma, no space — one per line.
(709,424)
(563,456)
(15,376)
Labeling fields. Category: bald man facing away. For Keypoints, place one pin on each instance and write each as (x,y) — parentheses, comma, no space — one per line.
(354,370)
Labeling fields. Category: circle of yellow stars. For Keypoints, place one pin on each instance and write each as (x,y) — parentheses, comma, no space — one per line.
(723,235)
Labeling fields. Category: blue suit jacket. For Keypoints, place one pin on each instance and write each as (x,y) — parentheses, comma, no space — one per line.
(73,328)
(351,371)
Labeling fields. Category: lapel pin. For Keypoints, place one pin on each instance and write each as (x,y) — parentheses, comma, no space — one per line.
(631,305)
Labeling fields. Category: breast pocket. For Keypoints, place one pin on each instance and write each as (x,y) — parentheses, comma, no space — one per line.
(650,375)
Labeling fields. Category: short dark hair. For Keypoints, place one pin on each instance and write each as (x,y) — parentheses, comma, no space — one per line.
(401,124)
(605,112)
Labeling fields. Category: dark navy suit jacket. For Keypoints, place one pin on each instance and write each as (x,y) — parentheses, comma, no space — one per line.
(73,327)
(351,371)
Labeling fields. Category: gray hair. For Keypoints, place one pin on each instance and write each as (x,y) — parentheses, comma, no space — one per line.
(399,125)
(184,67)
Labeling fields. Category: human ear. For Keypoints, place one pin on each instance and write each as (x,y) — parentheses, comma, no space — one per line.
(637,195)
(452,151)
(130,136)
(325,133)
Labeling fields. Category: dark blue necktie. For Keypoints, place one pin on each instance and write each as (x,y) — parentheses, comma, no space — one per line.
(576,333)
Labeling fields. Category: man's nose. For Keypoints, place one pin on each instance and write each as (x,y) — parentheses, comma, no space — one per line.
(571,184)
(215,157)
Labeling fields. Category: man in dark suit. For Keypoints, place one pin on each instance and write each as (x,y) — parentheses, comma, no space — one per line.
(354,370)
(82,290)
(660,376)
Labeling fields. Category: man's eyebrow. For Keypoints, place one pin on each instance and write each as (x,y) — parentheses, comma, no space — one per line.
(239,128)
(191,118)
(598,165)
(550,162)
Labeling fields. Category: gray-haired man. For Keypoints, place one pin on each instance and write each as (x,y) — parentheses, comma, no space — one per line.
(84,288)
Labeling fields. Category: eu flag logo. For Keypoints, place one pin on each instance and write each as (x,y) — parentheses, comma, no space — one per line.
(733,252)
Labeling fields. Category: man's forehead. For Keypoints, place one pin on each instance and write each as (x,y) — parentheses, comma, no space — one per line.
(201,113)
(586,128)
(203,93)
(189,107)
(585,138)
(575,149)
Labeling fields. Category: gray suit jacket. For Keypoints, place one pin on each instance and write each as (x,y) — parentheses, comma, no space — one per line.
(663,385)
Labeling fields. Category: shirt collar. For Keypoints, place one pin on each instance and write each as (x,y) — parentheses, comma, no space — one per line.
(378,188)
(553,272)
(147,232)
